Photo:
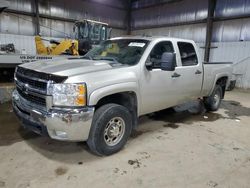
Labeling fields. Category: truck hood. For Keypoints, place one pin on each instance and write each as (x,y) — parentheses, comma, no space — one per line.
(70,67)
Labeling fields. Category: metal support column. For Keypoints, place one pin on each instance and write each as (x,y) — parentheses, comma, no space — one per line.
(209,32)
(129,8)
(37,17)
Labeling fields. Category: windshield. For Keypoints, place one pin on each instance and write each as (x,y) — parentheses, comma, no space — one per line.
(81,31)
(124,51)
(95,32)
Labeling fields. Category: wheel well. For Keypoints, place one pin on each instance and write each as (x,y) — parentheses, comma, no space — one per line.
(222,82)
(126,99)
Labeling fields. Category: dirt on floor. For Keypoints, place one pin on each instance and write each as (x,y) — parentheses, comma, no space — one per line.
(168,149)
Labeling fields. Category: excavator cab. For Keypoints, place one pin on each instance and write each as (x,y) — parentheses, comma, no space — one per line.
(89,33)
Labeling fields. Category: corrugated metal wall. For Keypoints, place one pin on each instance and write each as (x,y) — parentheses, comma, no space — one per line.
(158,19)
(169,13)
(111,11)
(237,52)
(223,31)
(196,32)
(231,30)
(14,24)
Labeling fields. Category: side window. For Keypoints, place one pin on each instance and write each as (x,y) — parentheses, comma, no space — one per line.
(158,50)
(188,54)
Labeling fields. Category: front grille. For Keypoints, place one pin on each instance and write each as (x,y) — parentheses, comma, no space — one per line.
(36,80)
(32,85)
(32,98)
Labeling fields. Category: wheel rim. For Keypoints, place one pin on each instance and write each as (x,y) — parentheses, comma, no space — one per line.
(216,98)
(114,131)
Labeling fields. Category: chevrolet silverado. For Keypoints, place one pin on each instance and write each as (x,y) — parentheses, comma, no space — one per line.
(98,97)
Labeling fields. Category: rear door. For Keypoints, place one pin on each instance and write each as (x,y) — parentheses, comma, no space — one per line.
(190,71)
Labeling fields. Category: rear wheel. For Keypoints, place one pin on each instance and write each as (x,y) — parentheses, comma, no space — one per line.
(110,130)
(212,103)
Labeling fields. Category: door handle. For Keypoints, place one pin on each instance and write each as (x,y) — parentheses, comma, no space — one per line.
(198,72)
(176,75)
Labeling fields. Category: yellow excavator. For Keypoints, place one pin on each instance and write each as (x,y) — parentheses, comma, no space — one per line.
(86,34)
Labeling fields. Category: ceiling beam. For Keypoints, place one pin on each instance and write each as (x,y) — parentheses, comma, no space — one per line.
(156,5)
(107,5)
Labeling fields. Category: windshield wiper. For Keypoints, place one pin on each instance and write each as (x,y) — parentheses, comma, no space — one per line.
(106,58)
(87,57)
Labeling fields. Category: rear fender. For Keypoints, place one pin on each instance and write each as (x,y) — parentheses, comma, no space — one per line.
(217,77)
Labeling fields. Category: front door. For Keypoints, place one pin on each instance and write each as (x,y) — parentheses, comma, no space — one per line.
(159,89)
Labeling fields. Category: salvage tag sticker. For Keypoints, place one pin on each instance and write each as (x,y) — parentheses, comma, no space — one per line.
(137,44)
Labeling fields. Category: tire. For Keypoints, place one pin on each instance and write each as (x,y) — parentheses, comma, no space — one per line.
(232,85)
(110,129)
(212,103)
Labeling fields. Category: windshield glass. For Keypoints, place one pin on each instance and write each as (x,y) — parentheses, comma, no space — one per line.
(103,33)
(124,51)
(81,31)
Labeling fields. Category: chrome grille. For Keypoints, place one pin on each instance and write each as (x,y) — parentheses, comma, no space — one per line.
(32,85)
(38,100)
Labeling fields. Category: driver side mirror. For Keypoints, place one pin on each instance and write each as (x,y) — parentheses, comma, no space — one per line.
(168,61)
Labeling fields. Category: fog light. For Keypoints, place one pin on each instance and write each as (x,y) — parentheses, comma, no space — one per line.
(61,134)
(15,95)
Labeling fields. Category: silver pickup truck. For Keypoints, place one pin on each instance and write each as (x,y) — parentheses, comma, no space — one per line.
(98,97)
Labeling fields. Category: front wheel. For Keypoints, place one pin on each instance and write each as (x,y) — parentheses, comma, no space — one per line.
(110,130)
(212,103)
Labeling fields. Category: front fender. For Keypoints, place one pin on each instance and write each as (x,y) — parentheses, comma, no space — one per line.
(99,93)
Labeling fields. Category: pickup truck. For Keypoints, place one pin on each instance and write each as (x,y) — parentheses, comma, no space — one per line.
(98,97)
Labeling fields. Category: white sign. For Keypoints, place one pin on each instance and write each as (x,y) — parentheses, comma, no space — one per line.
(137,44)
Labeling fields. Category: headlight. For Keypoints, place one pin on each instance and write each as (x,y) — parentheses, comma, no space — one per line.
(15,73)
(68,94)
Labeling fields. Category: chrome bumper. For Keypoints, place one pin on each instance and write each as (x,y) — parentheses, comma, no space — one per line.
(59,124)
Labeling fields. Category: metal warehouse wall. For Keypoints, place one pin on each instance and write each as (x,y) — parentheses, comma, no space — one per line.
(64,13)
(168,13)
(146,19)
(195,32)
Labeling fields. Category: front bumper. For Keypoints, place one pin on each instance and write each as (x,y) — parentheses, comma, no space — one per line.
(59,124)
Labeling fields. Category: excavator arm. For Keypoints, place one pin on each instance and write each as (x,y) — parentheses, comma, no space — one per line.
(66,46)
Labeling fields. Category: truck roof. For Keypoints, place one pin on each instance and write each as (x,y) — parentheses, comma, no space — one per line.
(151,38)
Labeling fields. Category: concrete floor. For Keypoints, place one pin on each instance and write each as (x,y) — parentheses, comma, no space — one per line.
(177,150)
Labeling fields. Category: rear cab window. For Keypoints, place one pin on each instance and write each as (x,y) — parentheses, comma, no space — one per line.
(187,53)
